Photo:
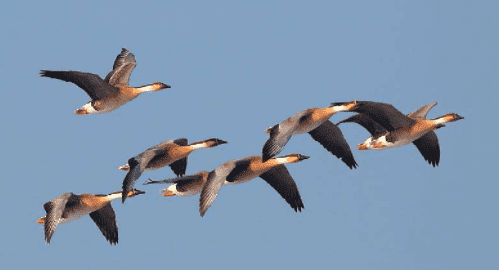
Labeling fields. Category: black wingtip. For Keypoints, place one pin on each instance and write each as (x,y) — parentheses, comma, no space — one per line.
(298,206)
(434,163)
(351,163)
(202,213)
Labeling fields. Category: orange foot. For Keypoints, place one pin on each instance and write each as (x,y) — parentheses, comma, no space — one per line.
(41,220)
(378,145)
(81,111)
(168,193)
(362,146)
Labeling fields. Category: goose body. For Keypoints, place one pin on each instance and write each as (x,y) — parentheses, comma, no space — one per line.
(273,171)
(172,152)
(315,122)
(110,93)
(390,128)
(68,207)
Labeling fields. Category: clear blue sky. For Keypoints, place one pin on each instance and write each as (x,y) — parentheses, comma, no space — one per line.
(235,70)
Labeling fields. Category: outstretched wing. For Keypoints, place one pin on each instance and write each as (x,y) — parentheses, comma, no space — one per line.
(131,177)
(214,182)
(180,166)
(366,122)
(176,180)
(423,111)
(382,113)
(331,138)
(92,84)
(105,219)
(55,209)
(279,137)
(122,69)
(429,148)
(282,181)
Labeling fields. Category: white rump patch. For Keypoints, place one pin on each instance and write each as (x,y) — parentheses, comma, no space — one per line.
(89,108)
(370,143)
(173,188)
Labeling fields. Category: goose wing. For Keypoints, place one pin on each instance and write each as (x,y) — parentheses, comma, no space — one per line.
(429,148)
(331,138)
(55,209)
(105,219)
(92,84)
(122,69)
(213,184)
(280,135)
(366,122)
(131,177)
(423,111)
(281,180)
(176,180)
(382,113)
(180,166)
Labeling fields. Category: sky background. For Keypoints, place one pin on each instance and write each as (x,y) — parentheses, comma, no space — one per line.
(235,70)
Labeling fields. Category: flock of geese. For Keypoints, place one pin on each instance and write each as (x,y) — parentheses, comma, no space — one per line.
(387,125)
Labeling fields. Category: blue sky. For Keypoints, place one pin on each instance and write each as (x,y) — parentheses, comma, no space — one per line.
(235,70)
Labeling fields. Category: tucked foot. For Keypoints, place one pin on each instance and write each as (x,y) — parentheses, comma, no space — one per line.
(167,193)
(362,146)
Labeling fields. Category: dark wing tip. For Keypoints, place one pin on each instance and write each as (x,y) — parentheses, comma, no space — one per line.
(113,240)
(297,205)
(433,162)
(350,162)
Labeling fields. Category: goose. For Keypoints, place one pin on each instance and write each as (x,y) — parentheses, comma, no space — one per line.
(390,128)
(110,93)
(315,122)
(273,171)
(68,207)
(170,152)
